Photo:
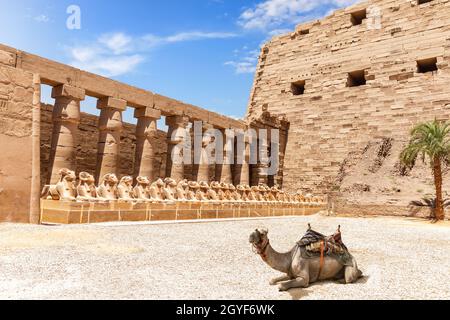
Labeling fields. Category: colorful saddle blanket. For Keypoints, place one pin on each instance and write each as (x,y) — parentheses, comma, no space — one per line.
(312,242)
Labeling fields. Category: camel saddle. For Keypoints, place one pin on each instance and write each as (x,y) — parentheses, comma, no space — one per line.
(314,244)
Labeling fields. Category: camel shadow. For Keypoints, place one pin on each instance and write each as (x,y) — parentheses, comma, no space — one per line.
(300,293)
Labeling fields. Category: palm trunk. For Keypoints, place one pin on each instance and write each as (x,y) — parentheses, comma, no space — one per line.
(437,171)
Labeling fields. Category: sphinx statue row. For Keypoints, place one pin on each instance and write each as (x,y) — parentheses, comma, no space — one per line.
(111,188)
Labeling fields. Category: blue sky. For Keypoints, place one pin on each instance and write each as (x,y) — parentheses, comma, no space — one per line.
(202,52)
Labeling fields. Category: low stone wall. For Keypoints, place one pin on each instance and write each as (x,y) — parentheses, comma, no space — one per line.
(64,212)
(385,210)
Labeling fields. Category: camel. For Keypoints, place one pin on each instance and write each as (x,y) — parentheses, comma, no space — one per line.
(298,271)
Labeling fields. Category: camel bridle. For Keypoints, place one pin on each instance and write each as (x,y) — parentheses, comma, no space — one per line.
(260,249)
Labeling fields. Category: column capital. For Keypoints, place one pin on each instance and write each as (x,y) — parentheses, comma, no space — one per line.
(111,103)
(65,90)
(147,112)
(178,121)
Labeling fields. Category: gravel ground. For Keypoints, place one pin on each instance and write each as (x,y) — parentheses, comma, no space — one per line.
(400,258)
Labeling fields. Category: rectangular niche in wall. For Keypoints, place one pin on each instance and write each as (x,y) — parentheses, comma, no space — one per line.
(356,78)
(427,65)
(357,17)
(298,87)
(423,1)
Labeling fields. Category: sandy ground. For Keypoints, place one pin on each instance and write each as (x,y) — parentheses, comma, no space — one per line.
(401,259)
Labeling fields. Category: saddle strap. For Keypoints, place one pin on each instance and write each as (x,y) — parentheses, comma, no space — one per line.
(322,258)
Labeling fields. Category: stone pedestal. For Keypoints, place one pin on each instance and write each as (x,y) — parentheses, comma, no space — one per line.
(110,127)
(146,133)
(66,117)
(176,139)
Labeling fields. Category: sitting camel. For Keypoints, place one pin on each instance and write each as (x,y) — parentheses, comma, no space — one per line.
(301,271)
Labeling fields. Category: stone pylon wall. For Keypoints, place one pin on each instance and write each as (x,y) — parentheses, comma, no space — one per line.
(16,106)
(330,119)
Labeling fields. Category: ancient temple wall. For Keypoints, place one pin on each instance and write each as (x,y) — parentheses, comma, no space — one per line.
(16,99)
(305,75)
(87,145)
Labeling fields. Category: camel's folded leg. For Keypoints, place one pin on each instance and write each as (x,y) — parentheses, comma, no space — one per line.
(352,274)
(274,281)
(296,283)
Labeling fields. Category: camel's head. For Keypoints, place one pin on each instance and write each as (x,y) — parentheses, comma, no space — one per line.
(259,237)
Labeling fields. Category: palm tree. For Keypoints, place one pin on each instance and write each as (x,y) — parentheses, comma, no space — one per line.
(430,140)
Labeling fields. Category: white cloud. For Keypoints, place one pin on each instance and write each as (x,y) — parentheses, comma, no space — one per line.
(153,40)
(42,18)
(273,13)
(114,54)
(245,61)
(110,55)
(117,42)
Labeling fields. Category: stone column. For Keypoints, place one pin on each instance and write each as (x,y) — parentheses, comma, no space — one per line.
(223,171)
(66,117)
(204,162)
(176,139)
(110,127)
(146,133)
(36,152)
(260,170)
(242,171)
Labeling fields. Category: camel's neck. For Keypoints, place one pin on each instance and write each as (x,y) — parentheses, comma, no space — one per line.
(278,261)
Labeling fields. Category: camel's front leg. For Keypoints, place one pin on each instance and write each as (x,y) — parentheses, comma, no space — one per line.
(274,281)
(296,283)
